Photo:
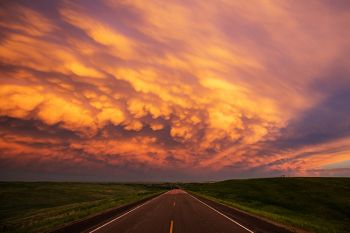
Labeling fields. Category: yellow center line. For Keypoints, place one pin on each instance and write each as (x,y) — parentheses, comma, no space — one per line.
(171,226)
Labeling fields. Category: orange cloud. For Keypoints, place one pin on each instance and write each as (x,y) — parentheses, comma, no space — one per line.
(170,85)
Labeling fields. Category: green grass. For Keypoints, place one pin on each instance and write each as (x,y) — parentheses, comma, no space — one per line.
(313,204)
(42,206)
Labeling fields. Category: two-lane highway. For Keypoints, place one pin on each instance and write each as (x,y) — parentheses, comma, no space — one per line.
(175,212)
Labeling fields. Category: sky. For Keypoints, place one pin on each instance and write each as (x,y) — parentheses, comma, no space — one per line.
(133,90)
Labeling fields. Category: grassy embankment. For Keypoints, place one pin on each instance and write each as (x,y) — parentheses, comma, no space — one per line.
(314,204)
(42,206)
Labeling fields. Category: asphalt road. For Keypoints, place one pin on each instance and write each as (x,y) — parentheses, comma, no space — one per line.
(179,212)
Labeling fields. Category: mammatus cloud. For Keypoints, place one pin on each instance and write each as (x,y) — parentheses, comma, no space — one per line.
(122,89)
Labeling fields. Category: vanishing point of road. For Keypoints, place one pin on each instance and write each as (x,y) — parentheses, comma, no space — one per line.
(177,211)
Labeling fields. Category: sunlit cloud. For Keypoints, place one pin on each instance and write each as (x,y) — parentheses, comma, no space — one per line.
(176,90)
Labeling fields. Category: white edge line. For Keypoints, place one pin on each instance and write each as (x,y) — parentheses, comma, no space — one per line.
(125,213)
(222,214)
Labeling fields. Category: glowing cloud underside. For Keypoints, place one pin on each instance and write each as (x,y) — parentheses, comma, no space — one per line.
(135,90)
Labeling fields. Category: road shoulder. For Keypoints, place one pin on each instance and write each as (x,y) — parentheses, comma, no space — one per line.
(256,223)
(86,224)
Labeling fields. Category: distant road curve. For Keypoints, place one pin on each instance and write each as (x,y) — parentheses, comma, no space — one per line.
(175,211)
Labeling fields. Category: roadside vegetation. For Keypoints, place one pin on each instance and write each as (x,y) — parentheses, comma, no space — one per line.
(43,206)
(314,204)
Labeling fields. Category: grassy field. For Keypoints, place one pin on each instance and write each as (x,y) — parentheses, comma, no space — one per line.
(314,204)
(39,207)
